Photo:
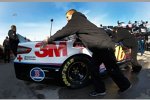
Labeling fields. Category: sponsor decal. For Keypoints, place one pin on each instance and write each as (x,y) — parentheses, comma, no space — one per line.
(52,50)
(37,74)
(19,58)
(119,53)
(102,68)
(29,58)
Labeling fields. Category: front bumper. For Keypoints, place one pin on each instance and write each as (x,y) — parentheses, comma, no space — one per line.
(22,71)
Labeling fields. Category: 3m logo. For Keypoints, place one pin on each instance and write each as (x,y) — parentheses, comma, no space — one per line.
(52,50)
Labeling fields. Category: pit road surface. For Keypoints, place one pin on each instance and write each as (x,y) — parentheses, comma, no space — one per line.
(13,88)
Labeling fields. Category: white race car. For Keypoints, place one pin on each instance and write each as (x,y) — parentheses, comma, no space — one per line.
(67,61)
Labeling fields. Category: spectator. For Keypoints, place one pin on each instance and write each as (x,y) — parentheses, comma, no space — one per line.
(6,46)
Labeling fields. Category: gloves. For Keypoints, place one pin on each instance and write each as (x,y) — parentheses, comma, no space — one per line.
(50,40)
(44,43)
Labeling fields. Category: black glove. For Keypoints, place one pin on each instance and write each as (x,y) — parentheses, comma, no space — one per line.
(51,41)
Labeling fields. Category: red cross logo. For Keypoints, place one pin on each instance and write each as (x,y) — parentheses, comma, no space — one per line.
(19,58)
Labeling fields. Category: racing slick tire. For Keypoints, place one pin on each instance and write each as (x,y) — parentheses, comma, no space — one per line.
(75,71)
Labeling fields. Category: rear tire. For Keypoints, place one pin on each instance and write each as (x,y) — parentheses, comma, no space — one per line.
(75,71)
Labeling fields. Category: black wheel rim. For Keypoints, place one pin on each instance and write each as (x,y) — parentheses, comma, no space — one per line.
(77,72)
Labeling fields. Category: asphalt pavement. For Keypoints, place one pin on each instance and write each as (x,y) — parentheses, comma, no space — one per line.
(13,88)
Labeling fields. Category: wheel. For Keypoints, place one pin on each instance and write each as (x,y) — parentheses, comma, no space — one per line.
(75,71)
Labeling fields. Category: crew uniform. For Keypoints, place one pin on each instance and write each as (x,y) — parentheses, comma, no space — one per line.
(128,40)
(100,44)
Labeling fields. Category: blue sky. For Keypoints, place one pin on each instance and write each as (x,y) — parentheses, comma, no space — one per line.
(33,18)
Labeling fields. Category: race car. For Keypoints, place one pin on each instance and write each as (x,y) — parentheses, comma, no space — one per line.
(68,61)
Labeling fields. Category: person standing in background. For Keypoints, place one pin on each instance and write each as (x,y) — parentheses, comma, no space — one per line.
(13,38)
(6,46)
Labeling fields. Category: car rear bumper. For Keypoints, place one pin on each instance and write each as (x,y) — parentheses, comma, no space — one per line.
(22,71)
